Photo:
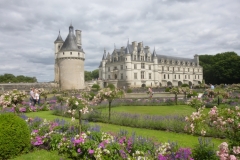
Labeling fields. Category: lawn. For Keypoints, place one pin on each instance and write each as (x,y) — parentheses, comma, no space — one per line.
(154,110)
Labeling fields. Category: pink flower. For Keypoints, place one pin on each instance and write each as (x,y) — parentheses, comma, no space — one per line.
(232,157)
(90,151)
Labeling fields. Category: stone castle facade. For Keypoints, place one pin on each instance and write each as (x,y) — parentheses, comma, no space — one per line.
(136,66)
(69,61)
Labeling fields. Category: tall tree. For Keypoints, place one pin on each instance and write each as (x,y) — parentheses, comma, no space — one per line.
(221,68)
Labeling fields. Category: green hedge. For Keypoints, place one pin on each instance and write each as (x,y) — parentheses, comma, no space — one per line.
(14,136)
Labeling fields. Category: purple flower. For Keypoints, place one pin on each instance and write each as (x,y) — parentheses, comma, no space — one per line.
(90,151)
(161,157)
(78,150)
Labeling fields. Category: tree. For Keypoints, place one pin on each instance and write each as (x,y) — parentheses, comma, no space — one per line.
(95,74)
(108,94)
(176,91)
(221,68)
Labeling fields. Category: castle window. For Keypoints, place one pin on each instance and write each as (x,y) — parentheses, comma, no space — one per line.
(188,69)
(164,76)
(78,53)
(108,69)
(108,76)
(179,76)
(175,76)
(148,58)
(142,65)
(121,67)
(168,68)
(149,67)
(63,53)
(70,53)
(135,66)
(121,75)
(58,47)
(173,68)
(150,76)
(185,76)
(135,75)
(126,58)
(168,76)
(162,68)
(135,57)
(142,75)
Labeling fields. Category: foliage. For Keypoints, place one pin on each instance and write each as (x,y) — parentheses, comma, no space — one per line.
(89,75)
(221,68)
(93,144)
(225,120)
(204,150)
(111,86)
(6,78)
(96,86)
(185,85)
(129,90)
(12,98)
(167,89)
(196,103)
(14,136)
(109,94)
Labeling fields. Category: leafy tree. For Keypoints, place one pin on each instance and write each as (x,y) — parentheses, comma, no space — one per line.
(221,68)
(109,94)
(6,78)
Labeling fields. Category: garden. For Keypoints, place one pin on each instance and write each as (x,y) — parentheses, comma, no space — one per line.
(104,124)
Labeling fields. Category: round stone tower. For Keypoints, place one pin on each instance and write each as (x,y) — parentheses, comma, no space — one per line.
(70,62)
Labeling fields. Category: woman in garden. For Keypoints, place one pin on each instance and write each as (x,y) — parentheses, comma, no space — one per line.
(150,92)
(36,97)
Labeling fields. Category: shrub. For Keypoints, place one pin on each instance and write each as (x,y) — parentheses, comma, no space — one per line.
(129,90)
(111,86)
(96,86)
(167,89)
(194,94)
(204,150)
(185,85)
(14,136)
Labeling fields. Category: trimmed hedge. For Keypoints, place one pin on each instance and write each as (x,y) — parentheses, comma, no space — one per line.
(14,136)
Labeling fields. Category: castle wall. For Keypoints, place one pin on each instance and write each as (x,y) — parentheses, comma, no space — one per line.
(71,72)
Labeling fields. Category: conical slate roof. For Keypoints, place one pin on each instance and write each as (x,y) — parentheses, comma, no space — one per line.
(104,55)
(59,38)
(154,53)
(70,43)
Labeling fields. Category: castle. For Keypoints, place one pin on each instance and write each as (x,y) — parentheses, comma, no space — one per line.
(136,66)
(69,61)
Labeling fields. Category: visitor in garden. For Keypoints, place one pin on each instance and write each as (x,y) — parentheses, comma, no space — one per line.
(31,96)
(36,97)
(39,99)
(150,92)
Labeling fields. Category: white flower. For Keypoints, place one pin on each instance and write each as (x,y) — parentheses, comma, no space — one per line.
(76,103)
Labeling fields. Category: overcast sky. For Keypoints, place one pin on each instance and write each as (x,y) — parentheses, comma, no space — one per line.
(181,28)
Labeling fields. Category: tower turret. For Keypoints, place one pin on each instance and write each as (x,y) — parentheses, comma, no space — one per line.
(70,61)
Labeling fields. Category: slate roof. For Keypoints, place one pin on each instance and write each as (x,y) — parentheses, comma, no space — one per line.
(59,38)
(174,58)
(70,43)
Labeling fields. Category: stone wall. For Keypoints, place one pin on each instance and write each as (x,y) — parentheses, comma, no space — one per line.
(26,86)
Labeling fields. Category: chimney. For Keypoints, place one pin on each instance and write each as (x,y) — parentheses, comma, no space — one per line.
(78,37)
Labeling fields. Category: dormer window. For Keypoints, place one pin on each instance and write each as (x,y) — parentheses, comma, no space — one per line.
(70,53)
(63,53)
(78,54)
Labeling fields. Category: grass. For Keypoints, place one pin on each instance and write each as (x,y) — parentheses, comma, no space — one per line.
(41,155)
(154,110)
(183,140)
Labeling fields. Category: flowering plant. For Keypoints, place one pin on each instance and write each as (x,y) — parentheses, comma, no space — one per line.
(12,98)
(108,94)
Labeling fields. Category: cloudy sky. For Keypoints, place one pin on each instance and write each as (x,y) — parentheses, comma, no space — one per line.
(180,28)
